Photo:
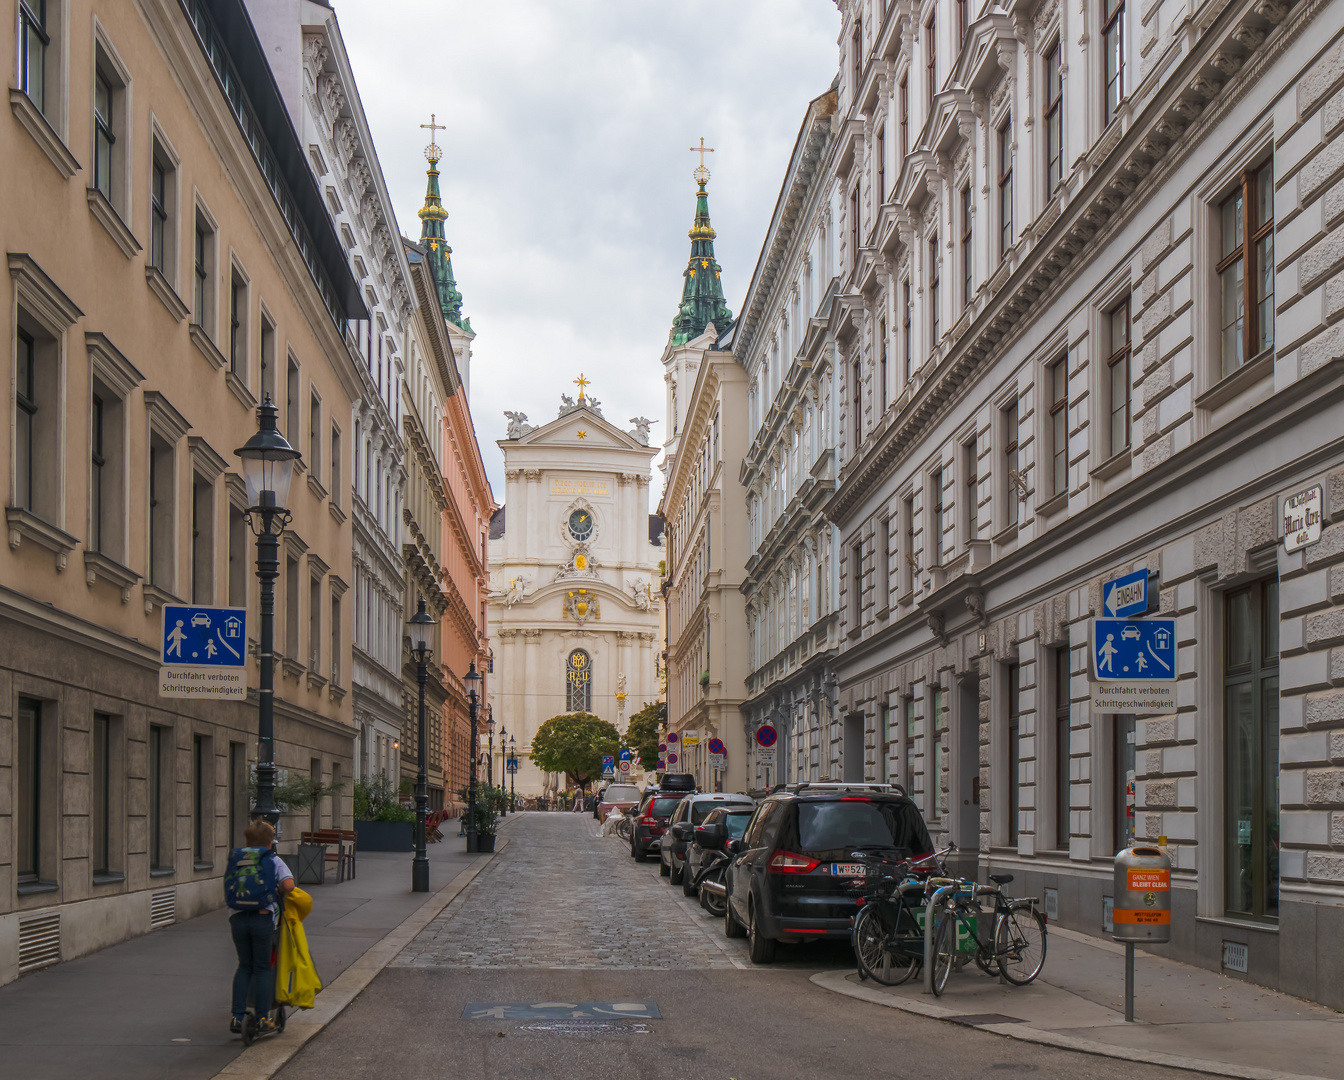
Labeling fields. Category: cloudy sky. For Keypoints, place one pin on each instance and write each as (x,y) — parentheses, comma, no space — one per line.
(566,173)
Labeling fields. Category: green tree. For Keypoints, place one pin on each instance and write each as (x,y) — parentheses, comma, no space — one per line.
(574,744)
(641,734)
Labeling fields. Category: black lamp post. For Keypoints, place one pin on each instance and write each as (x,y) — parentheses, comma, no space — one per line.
(268,467)
(490,750)
(504,768)
(513,756)
(473,681)
(421,626)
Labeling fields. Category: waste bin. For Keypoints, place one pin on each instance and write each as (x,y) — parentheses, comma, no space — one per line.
(1142,905)
(312,867)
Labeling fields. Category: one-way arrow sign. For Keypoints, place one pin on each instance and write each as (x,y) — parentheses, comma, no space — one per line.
(1124,597)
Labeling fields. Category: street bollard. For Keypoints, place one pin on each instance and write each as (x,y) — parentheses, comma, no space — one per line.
(1141,909)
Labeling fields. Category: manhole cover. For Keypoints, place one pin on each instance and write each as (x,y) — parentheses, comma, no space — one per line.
(587,1029)
(979,1019)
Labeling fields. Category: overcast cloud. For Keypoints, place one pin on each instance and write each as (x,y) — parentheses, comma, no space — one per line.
(566,173)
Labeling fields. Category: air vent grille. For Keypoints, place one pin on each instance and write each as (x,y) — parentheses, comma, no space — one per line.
(162,908)
(39,941)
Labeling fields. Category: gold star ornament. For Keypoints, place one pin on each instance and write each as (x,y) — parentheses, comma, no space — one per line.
(582,434)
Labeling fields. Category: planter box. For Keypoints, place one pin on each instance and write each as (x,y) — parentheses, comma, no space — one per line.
(384,836)
(312,864)
(485,843)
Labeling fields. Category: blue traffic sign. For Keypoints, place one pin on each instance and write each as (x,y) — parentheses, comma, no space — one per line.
(627,754)
(203,636)
(512,764)
(1126,596)
(1125,650)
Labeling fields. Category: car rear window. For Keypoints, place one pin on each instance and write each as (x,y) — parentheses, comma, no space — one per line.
(622,794)
(736,824)
(702,810)
(664,807)
(843,824)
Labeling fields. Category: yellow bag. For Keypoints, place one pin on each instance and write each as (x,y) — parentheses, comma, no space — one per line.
(296,979)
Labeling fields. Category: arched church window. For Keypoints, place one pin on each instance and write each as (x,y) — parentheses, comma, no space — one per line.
(578,682)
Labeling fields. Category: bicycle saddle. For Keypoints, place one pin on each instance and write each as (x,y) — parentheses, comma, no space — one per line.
(1001,879)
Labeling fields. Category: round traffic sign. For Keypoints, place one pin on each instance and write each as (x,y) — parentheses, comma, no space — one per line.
(716,746)
(625,766)
(662,748)
(626,753)
(661,765)
(766,735)
(673,738)
(671,759)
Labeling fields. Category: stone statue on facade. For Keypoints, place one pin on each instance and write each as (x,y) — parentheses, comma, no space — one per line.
(641,431)
(640,590)
(518,425)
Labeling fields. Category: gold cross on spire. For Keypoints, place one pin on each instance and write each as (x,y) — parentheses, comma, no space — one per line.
(432,151)
(581,382)
(701,174)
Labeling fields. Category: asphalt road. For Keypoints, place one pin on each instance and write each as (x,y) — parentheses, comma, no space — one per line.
(562,916)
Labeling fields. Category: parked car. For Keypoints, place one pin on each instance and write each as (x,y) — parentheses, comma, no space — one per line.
(617,797)
(655,812)
(706,846)
(797,873)
(691,812)
(597,801)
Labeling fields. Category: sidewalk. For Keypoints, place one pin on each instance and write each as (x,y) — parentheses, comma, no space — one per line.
(1185,1016)
(157,1006)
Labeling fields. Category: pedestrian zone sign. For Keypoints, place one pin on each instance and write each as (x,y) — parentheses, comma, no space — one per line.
(512,765)
(608,767)
(203,652)
(1133,665)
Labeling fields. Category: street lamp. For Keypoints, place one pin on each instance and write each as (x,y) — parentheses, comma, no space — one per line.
(473,681)
(421,626)
(268,467)
(513,756)
(490,750)
(504,753)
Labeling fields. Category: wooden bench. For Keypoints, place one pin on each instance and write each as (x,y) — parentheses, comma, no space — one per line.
(343,841)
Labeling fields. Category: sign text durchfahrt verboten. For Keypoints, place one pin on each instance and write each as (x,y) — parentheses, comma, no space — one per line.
(203,652)
(1133,665)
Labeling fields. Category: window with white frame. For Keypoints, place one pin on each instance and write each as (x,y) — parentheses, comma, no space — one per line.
(967,248)
(1118,376)
(1057,387)
(1113,47)
(1054,119)
(239,334)
(203,275)
(1246,267)
(1005,185)
(163,213)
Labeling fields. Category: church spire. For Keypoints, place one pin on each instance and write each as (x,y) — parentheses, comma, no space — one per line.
(432,216)
(702,294)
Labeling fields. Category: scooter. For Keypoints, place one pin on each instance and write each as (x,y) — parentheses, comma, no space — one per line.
(710,884)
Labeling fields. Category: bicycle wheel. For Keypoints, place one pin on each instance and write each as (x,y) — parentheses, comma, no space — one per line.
(1020,944)
(944,948)
(878,946)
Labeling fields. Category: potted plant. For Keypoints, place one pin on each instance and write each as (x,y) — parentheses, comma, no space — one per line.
(381,822)
(487,824)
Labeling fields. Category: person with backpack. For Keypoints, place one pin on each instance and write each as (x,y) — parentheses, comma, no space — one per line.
(254,882)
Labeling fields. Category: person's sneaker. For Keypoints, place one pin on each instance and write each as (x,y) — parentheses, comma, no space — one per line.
(266,1026)
(235,1025)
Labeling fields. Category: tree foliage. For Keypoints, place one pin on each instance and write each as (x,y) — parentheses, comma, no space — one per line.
(574,744)
(641,735)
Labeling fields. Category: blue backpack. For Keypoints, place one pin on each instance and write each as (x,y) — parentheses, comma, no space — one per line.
(250,880)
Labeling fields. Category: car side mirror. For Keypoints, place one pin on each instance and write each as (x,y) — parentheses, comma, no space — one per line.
(682,830)
(710,836)
(733,847)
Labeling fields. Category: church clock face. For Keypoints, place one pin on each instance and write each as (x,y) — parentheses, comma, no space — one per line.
(581,525)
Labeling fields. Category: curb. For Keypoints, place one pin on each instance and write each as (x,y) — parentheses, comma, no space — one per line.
(264,1059)
(837,983)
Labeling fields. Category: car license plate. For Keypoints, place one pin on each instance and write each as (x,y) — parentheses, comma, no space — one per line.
(848,869)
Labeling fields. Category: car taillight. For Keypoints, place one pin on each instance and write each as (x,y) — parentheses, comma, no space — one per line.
(648,819)
(786,862)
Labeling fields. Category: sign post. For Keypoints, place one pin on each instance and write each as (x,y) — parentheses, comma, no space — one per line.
(203,652)
(1133,665)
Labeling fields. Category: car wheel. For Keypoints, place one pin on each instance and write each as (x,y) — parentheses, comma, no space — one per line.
(688,886)
(676,874)
(639,854)
(663,868)
(762,949)
(731,927)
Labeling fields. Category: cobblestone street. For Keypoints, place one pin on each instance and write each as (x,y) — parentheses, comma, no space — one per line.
(565,897)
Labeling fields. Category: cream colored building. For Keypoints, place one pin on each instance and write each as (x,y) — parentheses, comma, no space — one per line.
(574,553)
(707,549)
(170,261)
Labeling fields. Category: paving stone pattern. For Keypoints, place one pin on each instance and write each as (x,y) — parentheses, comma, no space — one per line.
(560,896)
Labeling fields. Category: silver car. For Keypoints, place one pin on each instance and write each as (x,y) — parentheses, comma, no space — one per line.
(693,810)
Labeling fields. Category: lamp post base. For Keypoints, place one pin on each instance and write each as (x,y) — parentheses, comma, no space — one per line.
(471,843)
(420,875)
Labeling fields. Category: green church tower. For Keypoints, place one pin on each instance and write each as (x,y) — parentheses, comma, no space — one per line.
(432,216)
(702,300)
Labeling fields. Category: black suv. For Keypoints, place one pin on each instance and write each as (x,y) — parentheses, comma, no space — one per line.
(797,873)
(655,811)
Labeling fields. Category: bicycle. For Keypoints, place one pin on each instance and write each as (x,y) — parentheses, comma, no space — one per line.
(625,828)
(1016,949)
(887,939)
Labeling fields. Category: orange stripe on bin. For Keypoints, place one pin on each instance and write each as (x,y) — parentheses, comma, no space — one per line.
(1141,918)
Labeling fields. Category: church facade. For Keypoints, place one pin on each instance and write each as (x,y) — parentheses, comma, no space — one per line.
(574,564)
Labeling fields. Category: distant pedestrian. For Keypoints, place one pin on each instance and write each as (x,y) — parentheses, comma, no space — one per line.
(254,882)
(578,802)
